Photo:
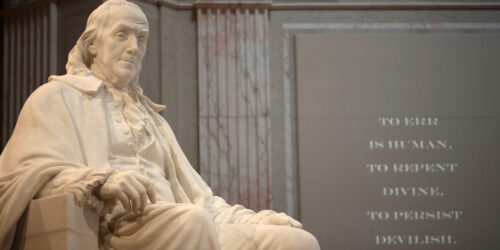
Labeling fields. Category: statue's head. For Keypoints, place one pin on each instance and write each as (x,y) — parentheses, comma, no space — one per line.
(113,44)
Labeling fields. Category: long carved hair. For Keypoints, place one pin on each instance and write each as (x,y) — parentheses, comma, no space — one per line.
(80,59)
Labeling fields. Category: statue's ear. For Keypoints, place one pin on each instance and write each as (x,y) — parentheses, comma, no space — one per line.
(92,49)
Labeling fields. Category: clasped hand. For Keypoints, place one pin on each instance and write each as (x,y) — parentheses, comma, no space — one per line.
(130,188)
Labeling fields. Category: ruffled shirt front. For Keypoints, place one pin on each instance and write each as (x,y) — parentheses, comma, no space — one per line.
(134,140)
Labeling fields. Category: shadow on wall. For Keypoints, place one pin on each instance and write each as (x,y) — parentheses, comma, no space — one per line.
(34,45)
(12,3)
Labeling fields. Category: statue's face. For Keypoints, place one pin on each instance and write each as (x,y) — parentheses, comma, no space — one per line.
(120,45)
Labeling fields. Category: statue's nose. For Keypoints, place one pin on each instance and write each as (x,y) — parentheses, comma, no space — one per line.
(132,45)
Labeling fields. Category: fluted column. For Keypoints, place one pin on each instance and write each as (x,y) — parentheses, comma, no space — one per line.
(28,57)
(234,101)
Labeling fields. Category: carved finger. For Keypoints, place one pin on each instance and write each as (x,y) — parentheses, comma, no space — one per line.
(133,195)
(124,200)
(142,193)
(151,192)
(149,188)
(141,178)
(144,201)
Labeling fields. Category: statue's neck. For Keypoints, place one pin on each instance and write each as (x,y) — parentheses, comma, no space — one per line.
(110,82)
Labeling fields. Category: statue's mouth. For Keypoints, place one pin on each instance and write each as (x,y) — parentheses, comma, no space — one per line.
(129,61)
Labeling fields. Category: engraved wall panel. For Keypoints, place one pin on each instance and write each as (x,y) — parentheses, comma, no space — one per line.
(348,83)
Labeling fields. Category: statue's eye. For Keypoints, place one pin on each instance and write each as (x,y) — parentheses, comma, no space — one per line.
(141,39)
(121,35)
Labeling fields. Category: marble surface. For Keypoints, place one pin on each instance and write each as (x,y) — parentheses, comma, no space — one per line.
(234,104)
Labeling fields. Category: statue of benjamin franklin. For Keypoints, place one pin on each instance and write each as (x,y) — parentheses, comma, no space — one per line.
(94,134)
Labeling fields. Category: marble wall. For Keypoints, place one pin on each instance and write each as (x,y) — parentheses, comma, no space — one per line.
(234,102)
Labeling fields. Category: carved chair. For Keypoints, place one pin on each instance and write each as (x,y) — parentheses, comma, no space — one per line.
(56,222)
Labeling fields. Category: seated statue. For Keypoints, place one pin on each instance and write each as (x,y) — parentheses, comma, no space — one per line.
(93,133)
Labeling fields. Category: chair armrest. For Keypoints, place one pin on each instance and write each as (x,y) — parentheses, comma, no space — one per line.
(56,222)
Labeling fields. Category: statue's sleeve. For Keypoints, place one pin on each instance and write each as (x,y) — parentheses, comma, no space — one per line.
(80,182)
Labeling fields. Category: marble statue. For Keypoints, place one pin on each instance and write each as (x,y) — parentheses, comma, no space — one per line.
(93,133)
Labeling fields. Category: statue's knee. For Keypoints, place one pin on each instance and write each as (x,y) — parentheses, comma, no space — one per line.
(198,218)
(299,239)
(198,226)
(309,241)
